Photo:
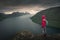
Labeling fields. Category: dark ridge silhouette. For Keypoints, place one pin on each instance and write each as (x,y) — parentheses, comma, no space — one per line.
(52,15)
(2,16)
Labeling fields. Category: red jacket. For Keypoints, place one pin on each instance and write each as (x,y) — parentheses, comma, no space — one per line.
(43,21)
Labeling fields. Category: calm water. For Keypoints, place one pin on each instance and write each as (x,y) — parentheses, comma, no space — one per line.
(11,26)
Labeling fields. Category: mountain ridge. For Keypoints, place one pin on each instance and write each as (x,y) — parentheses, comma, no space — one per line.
(14,14)
(52,14)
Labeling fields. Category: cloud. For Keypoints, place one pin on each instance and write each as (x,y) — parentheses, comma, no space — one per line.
(13,5)
(32,9)
(27,2)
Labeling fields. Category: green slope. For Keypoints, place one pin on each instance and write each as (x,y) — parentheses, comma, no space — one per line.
(52,14)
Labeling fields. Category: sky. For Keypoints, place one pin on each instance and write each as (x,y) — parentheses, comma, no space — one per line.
(30,6)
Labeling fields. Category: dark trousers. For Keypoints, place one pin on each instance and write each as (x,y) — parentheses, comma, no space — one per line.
(44,30)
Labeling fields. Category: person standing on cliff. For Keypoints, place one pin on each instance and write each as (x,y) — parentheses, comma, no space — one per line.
(44,24)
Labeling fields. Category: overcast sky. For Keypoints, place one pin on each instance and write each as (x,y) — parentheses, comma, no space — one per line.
(31,6)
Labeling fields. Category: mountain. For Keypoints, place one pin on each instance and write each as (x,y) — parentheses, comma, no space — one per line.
(14,14)
(52,15)
(2,16)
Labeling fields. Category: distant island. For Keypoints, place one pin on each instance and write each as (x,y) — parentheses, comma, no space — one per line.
(52,14)
(14,14)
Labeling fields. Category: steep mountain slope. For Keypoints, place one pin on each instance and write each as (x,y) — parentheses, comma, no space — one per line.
(52,15)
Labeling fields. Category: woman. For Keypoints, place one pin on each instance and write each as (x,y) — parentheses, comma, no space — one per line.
(44,23)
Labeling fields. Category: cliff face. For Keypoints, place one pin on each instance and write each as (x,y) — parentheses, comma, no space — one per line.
(52,15)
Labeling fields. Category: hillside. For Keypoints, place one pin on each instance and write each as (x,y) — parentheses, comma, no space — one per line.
(2,16)
(52,14)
